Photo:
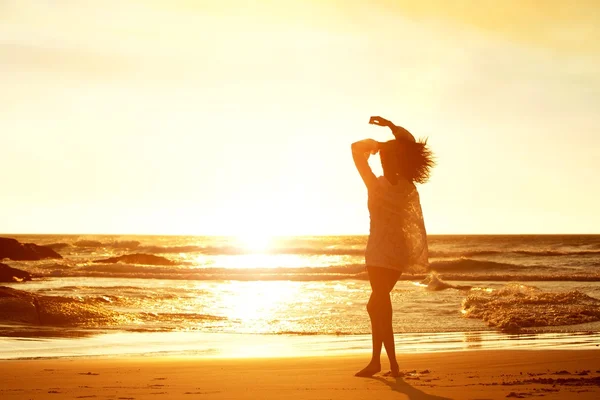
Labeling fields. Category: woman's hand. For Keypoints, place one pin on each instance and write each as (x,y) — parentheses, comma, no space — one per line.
(380,121)
(398,131)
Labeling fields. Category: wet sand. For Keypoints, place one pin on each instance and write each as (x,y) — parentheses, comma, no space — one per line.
(495,374)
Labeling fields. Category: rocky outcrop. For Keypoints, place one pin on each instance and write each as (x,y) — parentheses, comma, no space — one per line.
(14,250)
(138,258)
(9,274)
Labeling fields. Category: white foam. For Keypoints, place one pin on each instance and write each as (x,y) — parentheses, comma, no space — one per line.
(517,306)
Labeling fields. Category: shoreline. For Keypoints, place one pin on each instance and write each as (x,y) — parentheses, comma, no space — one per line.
(491,374)
(244,345)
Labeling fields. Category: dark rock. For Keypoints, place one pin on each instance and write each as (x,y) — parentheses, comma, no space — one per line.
(9,274)
(14,250)
(138,258)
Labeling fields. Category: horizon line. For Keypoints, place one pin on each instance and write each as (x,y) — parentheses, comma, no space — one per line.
(290,235)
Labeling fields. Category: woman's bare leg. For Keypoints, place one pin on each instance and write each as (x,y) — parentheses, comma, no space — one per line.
(380,313)
(374,365)
(387,334)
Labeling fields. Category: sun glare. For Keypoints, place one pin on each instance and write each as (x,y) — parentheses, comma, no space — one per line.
(255,243)
(256,304)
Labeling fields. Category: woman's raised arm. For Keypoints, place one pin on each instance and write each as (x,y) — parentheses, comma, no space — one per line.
(398,131)
(361,151)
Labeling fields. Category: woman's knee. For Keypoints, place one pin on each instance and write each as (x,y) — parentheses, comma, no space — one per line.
(379,302)
(371,306)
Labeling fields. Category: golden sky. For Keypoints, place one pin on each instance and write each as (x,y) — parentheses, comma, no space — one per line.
(235,117)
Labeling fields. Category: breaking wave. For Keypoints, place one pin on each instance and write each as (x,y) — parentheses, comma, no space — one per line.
(247,274)
(116,244)
(434,283)
(469,265)
(515,307)
(339,272)
(529,253)
(138,258)
(90,245)
(353,250)
(353,247)
(20,307)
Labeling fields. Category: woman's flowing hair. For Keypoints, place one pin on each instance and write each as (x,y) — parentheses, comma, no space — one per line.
(415,160)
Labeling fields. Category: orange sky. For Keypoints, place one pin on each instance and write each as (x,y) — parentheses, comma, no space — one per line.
(235,117)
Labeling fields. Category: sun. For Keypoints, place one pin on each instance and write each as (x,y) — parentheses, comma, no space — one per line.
(255,242)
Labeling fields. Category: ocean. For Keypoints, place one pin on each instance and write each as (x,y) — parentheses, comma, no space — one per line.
(138,294)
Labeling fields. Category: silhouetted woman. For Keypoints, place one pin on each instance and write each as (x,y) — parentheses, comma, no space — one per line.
(397,238)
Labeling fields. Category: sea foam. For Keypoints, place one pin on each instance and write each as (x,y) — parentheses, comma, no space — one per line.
(518,306)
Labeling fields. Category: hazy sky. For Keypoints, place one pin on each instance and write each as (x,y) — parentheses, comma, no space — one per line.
(236,117)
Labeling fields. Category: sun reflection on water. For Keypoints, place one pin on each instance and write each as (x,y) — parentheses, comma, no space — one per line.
(267,261)
(256,304)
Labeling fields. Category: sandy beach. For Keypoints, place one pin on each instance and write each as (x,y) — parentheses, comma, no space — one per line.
(551,374)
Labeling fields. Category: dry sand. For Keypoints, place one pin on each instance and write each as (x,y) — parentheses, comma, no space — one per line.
(549,374)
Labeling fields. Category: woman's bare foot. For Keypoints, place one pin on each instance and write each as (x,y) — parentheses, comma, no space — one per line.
(394,371)
(369,370)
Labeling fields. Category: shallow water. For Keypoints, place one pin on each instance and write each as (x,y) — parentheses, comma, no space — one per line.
(243,345)
(302,287)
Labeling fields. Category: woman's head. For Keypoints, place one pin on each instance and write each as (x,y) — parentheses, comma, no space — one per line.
(406,159)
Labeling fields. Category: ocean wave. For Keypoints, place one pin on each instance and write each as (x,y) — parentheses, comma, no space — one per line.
(434,283)
(529,253)
(470,265)
(320,251)
(340,272)
(347,249)
(240,250)
(138,258)
(171,249)
(211,250)
(53,266)
(180,317)
(124,268)
(30,311)
(121,270)
(18,306)
(515,307)
(116,244)
(57,246)
(521,277)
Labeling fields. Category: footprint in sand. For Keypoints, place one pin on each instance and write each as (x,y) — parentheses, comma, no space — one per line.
(156,386)
(517,395)
(211,392)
